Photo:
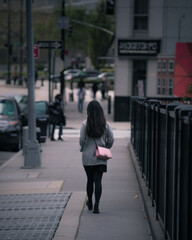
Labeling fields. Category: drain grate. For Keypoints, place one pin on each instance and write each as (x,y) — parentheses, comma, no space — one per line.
(31,216)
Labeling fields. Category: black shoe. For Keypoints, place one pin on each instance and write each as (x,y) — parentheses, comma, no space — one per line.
(89,205)
(60,138)
(52,139)
(96,209)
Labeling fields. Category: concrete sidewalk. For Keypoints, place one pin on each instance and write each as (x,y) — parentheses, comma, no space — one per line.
(122,214)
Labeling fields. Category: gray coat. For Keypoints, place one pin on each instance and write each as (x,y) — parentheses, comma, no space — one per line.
(88,146)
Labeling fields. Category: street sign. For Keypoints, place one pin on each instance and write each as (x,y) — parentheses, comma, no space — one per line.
(36,51)
(50,44)
(63,22)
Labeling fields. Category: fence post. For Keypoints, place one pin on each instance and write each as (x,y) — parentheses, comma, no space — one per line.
(182,224)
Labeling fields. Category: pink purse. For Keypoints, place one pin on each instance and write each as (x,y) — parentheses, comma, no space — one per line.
(103,153)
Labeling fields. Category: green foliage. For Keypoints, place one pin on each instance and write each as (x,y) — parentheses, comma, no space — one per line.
(86,40)
(98,39)
(79,38)
(45,27)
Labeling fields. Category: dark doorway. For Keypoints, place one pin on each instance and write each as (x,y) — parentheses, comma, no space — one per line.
(139,78)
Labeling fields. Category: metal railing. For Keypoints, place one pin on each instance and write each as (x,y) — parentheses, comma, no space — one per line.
(161,135)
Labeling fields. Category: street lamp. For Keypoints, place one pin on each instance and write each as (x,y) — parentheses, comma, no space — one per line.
(62,76)
(9,46)
(21,44)
(32,155)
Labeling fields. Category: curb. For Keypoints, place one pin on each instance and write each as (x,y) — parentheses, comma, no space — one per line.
(154,225)
(69,223)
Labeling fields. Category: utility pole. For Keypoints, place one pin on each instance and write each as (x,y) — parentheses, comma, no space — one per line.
(62,76)
(9,46)
(21,45)
(32,155)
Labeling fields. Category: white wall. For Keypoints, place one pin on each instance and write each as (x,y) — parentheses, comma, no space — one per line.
(151,78)
(123,73)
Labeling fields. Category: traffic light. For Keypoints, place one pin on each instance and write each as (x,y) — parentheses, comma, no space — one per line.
(110,7)
(70,31)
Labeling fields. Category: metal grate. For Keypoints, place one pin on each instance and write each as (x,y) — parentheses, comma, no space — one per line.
(31,216)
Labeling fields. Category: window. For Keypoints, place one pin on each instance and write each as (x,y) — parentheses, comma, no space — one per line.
(7,108)
(159,86)
(164,66)
(140,14)
(163,87)
(139,77)
(171,66)
(170,87)
(159,66)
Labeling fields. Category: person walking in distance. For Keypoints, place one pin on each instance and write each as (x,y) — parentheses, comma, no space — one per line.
(81,96)
(57,117)
(94,89)
(95,130)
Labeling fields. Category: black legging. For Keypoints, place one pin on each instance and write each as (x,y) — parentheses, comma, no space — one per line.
(94,176)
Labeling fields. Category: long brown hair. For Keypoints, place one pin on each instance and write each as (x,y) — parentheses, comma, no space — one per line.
(96,123)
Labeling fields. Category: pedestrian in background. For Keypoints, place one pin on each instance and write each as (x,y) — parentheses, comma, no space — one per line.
(36,75)
(81,83)
(15,77)
(94,130)
(57,117)
(103,89)
(81,96)
(94,89)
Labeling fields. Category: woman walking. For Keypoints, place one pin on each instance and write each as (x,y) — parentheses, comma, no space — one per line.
(94,131)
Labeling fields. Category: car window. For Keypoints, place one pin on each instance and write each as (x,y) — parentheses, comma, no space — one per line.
(21,99)
(7,108)
(40,108)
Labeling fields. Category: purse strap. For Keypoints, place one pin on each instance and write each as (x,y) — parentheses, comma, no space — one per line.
(95,142)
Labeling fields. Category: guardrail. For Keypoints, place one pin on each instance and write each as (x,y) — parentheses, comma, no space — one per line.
(161,136)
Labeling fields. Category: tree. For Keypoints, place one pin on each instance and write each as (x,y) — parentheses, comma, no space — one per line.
(97,38)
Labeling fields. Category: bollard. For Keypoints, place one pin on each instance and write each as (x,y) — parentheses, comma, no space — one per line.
(109,104)
(42,82)
(25,138)
(71,97)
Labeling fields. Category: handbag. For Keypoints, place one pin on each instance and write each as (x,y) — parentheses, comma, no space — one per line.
(102,152)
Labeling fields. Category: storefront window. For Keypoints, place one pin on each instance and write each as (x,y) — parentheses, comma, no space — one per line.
(139,78)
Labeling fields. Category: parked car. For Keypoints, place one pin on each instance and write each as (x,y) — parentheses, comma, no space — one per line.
(55,77)
(90,74)
(10,124)
(42,119)
(106,75)
(72,73)
(41,110)
(21,99)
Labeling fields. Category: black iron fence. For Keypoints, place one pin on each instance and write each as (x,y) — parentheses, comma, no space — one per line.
(161,135)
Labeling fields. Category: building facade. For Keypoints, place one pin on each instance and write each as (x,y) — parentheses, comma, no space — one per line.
(146,35)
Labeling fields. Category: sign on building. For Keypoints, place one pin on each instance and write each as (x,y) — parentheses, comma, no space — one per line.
(138,47)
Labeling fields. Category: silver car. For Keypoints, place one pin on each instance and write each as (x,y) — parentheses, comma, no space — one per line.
(10,124)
